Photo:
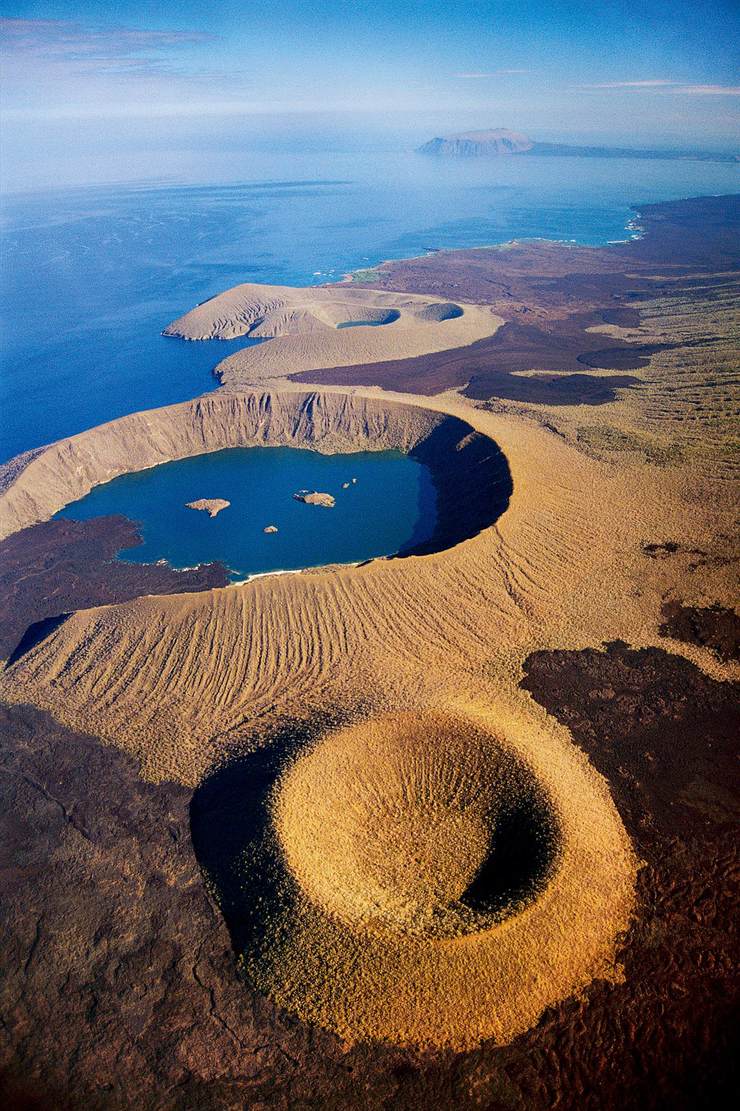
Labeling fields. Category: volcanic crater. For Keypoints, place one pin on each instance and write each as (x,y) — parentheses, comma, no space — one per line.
(421,878)
(387,830)
(622,980)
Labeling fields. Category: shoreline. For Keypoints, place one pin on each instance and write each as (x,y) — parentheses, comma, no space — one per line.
(315,568)
(348,277)
(347,280)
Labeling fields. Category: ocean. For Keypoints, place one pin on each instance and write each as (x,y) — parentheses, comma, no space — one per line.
(91,275)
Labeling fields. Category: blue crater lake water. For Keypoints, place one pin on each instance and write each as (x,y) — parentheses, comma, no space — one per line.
(391,505)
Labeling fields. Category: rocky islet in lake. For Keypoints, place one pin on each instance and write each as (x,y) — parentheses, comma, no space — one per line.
(211,506)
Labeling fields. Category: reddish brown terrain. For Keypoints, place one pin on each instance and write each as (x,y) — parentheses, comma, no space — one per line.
(550,295)
(715,626)
(59,566)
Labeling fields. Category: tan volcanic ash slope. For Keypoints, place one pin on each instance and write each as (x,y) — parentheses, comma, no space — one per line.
(182,686)
(164,677)
(563,567)
(686,409)
(305,328)
(179,681)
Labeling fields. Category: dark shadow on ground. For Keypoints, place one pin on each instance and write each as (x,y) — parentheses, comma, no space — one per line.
(523,851)
(34,635)
(232,833)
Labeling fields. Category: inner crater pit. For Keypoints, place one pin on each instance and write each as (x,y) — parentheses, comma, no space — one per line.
(425,826)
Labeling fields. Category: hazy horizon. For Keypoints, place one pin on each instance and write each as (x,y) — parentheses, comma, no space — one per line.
(92,95)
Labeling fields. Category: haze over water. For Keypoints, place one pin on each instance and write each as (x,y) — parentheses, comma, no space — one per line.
(92,275)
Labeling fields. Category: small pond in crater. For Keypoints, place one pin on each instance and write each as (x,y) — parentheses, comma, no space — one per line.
(385,503)
(389,316)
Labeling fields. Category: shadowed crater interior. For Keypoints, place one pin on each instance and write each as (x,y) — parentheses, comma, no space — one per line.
(417,824)
(400,824)
(372,319)
(521,852)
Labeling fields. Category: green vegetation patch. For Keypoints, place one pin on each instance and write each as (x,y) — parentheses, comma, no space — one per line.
(364,277)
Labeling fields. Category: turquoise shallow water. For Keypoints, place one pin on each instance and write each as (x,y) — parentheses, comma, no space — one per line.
(390,505)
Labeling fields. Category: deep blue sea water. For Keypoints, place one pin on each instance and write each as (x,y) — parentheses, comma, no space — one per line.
(391,503)
(90,276)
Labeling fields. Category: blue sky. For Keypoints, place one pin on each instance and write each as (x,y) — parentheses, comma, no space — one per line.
(666,62)
(657,72)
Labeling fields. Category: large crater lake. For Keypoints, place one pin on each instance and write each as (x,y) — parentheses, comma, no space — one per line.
(384,503)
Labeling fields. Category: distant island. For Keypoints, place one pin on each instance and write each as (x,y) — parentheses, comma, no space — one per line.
(500,141)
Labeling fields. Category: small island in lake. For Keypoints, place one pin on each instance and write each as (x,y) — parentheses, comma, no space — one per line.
(315,497)
(211,506)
